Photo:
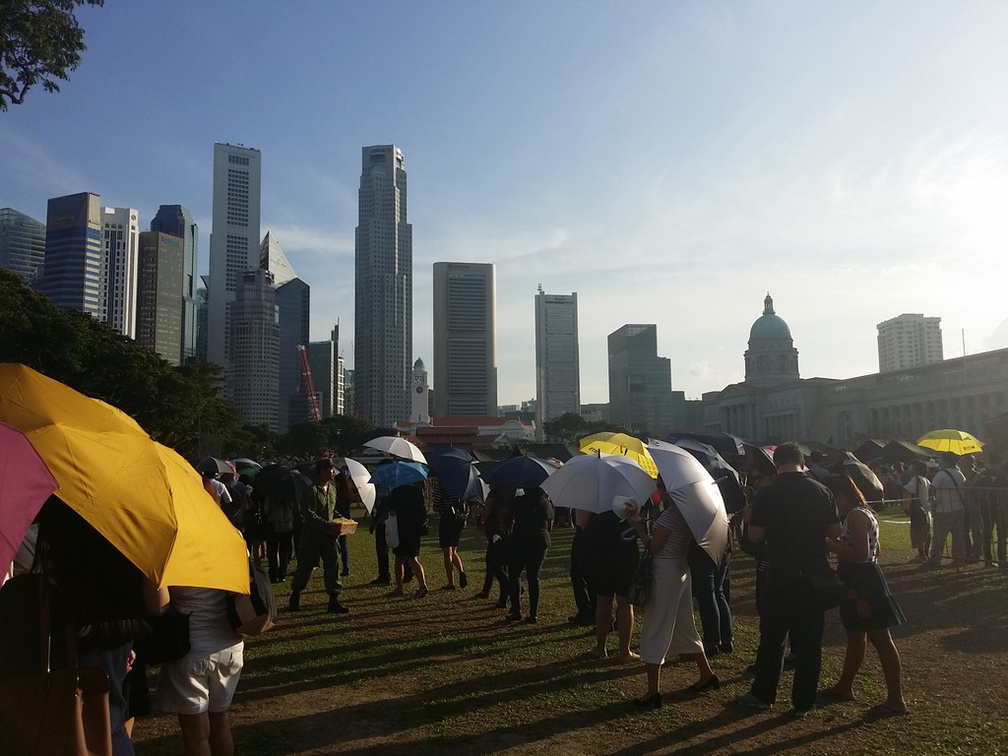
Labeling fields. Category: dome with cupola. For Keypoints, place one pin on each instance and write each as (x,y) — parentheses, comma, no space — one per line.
(771,356)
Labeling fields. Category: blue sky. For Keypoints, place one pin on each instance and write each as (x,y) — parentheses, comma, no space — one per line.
(671,162)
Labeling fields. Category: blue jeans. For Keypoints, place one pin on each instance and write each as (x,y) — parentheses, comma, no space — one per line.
(708,583)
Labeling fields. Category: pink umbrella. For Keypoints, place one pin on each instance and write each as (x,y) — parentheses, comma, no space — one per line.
(25,484)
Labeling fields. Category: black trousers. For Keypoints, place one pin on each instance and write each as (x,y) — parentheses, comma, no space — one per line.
(787,611)
(580,566)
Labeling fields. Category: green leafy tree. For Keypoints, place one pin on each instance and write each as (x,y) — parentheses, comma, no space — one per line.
(337,435)
(40,42)
(178,406)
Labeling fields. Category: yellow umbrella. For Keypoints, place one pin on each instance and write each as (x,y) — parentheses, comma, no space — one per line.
(140,495)
(951,441)
(620,443)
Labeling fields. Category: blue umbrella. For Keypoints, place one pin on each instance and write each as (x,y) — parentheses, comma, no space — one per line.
(519,472)
(398,473)
(456,473)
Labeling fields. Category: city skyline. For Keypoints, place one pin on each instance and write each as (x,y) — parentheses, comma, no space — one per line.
(848,160)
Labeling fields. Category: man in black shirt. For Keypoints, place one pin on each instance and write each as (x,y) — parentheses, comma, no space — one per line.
(794,515)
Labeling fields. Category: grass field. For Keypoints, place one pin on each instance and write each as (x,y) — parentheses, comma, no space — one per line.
(446,674)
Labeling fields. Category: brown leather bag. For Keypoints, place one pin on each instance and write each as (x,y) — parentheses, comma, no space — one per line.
(55,712)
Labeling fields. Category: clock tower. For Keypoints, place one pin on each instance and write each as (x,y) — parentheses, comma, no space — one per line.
(419,392)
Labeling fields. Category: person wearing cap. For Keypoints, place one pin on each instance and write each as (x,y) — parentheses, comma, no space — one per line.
(319,538)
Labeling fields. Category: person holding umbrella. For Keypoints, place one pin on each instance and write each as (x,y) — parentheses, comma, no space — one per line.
(318,539)
(668,615)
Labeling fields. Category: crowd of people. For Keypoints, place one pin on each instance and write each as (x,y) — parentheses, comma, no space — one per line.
(796,517)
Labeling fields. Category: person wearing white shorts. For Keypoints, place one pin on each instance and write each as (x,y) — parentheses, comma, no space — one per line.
(199,687)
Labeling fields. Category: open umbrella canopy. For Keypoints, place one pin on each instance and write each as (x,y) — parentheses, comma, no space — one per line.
(518,472)
(455,470)
(591,482)
(361,479)
(245,466)
(25,484)
(213,465)
(865,479)
(397,447)
(620,443)
(399,473)
(726,476)
(951,441)
(696,494)
(142,496)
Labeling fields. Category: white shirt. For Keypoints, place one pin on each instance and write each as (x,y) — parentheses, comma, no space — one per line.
(947,485)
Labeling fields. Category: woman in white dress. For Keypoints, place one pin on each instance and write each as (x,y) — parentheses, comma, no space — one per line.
(668,626)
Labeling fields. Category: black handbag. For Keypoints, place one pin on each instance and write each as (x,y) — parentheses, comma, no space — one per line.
(168,639)
(640,583)
(827,589)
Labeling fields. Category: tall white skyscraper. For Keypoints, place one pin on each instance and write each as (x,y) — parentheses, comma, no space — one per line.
(907,341)
(234,238)
(558,372)
(121,255)
(465,341)
(383,289)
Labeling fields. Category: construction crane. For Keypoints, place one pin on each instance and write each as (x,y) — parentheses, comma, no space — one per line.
(309,385)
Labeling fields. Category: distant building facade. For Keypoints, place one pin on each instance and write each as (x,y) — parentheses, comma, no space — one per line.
(253,383)
(328,373)
(73,268)
(909,341)
(420,399)
(465,345)
(159,306)
(121,251)
(383,289)
(899,404)
(640,382)
(558,372)
(22,243)
(234,238)
(177,221)
(293,300)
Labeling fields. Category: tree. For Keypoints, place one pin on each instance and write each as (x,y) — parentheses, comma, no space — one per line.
(337,434)
(177,406)
(40,41)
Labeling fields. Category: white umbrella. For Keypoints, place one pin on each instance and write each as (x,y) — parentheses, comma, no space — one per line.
(397,447)
(697,495)
(591,481)
(361,479)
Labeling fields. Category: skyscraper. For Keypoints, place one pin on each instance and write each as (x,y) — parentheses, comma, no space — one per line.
(465,353)
(558,374)
(22,243)
(640,382)
(234,238)
(327,373)
(177,221)
(254,377)
(383,289)
(908,341)
(159,294)
(121,250)
(293,299)
(73,267)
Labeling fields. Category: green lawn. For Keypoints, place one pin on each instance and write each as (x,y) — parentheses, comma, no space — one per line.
(425,676)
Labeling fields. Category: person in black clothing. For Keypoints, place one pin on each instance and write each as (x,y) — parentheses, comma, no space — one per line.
(529,541)
(580,569)
(495,559)
(407,502)
(794,515)
(614,561)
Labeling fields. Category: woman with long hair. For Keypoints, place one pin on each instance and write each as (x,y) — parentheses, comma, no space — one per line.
(868,609)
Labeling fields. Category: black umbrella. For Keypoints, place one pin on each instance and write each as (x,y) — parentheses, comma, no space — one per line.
(519,472)
(280,482)
(213,466)
(725,444)
(865,479)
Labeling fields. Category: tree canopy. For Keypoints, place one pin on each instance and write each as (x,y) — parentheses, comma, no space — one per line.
(176,405)
(40,42)
(337,434)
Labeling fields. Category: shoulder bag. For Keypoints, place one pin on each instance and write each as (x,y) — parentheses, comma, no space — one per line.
(640,584)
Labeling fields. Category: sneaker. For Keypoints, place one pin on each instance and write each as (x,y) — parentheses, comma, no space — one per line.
(799,713)
(751,702)
(381,581)
(463,580)
(335,607)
